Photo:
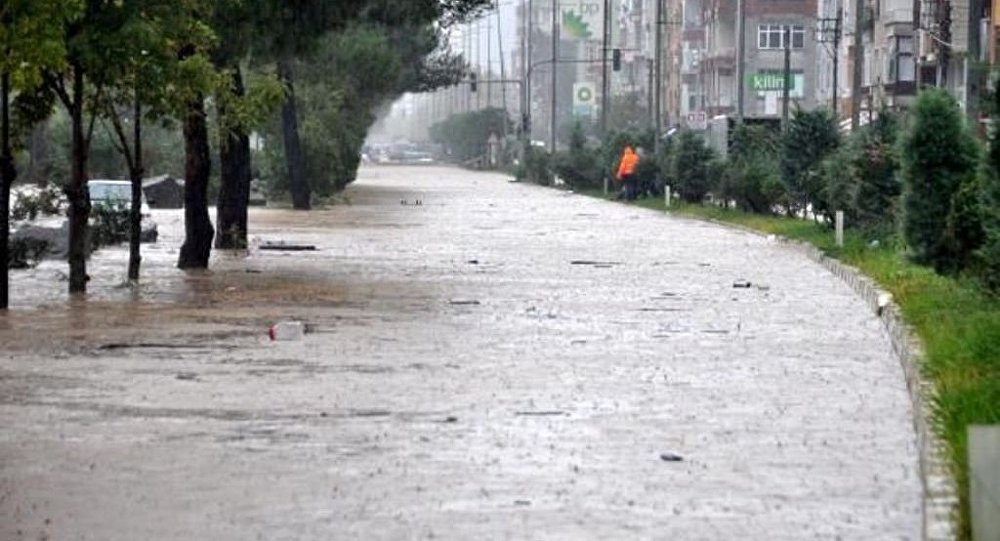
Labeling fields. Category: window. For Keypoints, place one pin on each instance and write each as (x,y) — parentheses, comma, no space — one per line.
(772,36)
(905,66)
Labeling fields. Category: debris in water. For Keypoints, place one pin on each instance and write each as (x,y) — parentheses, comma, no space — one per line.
(451,419)
(742,284)
(287,247)
(671,457)
(285,331)
(187,376)
(540,413)
(473,261)
(464,303)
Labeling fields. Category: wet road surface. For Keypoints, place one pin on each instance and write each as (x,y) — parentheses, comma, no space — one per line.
(499,362)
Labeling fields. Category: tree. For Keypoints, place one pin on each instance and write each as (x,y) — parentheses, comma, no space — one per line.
(690,167)
(751,178)
(465,135)
(990,252)
(144,77)
(810,136)
(939,155)
(31,41)
(876,163)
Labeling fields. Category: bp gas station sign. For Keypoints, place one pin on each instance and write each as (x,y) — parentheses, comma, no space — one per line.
(584,98)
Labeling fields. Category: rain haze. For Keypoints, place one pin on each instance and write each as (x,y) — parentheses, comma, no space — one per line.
(515,269)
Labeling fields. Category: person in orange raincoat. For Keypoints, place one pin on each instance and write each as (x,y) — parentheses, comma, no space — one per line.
(626,173)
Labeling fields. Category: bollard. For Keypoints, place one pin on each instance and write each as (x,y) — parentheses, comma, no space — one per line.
(840,228)
(984,481)
(605,185)
(666,195)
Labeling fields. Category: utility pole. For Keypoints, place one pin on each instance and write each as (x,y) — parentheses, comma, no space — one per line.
(741,65)
(503,67)
(479,59)
(605,87)
(859,60)
(657,124)
(489,60)
(555,55)
(526,69)
(786,90)
(837,29)
(944,42)
(831,31)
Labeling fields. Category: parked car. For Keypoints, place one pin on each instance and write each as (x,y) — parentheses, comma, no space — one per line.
(120,192)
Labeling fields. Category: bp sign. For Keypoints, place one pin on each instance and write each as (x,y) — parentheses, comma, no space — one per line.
(583,99)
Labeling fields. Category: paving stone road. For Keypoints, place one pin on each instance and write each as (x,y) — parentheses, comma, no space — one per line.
(499,362)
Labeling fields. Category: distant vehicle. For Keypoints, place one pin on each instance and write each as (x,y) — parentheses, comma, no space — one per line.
(120,192)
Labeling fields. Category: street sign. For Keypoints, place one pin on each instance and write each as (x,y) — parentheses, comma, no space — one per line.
(697,120)
(584,97)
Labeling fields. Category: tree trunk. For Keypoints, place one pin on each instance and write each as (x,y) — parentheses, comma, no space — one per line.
(7,174)
(77,194)
(293,145)
(234,195)
(198,229)
(135,216)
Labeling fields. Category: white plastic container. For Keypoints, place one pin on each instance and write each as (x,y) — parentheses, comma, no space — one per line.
(287,331)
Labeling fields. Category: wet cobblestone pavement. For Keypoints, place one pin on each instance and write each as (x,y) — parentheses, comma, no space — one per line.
(499,362)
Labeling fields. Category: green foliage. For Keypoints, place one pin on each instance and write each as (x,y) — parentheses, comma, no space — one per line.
(810,137)
(26,253)
(537,166)
(939,155)
(465,135)
(32,37)
(109,223)
(964,233)
(751,178)
(875,161)
(690,169)
(579,167)
(990,253)
(44,202)
(861,178)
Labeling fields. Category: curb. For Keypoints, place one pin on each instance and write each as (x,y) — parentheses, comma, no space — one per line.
(940,494)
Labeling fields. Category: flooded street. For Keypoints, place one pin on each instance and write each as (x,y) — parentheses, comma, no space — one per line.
(500,361)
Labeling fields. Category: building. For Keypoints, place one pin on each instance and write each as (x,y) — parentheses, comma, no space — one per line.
(764,25)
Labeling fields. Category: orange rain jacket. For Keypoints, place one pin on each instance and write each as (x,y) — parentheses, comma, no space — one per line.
(630,160)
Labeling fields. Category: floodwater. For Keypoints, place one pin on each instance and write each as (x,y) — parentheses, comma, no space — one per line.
(497,362)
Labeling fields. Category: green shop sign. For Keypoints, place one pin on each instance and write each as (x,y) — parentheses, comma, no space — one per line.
(775,82)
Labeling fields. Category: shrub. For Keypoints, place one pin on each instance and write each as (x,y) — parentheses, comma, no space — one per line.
(109,223)
(536,167)
(876,163)
(45,201)
(751,177)
(810,137)
(690,167)
(990,253)
(964,233)
(26,253)
(938,155)
(579,167)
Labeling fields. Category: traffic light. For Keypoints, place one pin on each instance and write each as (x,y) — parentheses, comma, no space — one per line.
(616,59)
(472,81)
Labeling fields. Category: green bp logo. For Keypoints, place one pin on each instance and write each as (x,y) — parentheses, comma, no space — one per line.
(575,26)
